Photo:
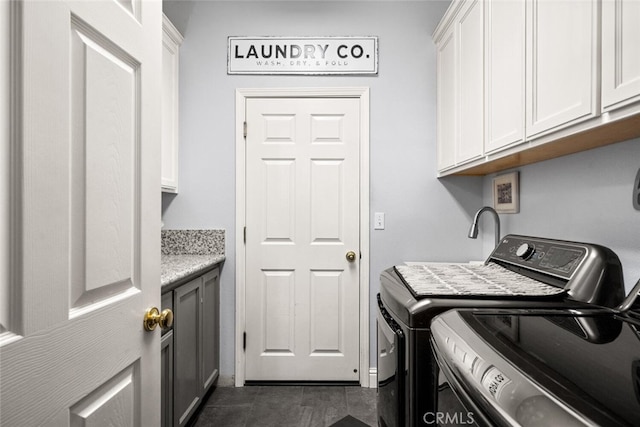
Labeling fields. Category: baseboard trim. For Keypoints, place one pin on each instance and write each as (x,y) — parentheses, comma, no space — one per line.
(229,381)
(373,377)
(225,381)
(301,383)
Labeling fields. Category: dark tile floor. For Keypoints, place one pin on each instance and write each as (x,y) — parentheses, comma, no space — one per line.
(282,406)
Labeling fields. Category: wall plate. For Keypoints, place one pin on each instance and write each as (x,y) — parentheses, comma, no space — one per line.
(378,221)
(636,192)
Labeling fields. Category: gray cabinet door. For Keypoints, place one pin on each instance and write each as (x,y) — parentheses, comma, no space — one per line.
(210,328)
(187,336)
(166,382)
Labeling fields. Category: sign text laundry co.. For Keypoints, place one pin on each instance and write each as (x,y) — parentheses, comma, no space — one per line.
(302,55)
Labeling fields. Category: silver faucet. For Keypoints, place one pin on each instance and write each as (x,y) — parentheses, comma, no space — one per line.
(473,231)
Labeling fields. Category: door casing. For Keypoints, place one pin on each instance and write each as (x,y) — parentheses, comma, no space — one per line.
(362,93)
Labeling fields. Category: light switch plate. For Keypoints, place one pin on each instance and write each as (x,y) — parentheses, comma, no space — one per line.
(378,221)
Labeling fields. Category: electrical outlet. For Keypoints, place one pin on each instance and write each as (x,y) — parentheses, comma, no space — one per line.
(636,192)
(378,221)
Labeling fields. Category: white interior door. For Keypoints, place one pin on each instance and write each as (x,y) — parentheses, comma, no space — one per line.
(84,223)
(302,218)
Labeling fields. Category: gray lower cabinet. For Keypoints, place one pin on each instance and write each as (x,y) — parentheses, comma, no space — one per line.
(166,383)
(196,348)
(187,350)
(210,328)
(166,346)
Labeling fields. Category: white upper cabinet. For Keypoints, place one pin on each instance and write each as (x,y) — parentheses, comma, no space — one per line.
(504,73)
(171,40)
(471,80)
(620,53)
(521,81)
(460,60)
(562,53)
(446,99)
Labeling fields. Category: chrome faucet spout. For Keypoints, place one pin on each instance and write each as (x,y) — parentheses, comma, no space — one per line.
(473,231)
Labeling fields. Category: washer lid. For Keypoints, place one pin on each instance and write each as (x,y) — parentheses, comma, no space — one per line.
(582,369)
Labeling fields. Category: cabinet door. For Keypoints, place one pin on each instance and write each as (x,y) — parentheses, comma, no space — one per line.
(171,40)
(187,335)
(166,380)
(471,82)
(505,73)
(562,55)
(620,53)
(210,328)
(166,383)
(446,100)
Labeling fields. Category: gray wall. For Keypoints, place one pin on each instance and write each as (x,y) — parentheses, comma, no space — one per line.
(426,218)
(585,197)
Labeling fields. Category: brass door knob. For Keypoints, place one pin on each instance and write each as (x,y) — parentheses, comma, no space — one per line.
(351,256)
(153,317)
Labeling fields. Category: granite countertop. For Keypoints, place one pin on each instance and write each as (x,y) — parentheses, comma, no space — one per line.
(187,254)
(174,268)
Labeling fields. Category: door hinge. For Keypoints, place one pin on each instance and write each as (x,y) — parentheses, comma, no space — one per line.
(244,236)
(244,341)
(244,129)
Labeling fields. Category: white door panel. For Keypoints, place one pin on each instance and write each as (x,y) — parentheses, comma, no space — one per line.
(86,224)
(5,163)
(302,206)
(110,404)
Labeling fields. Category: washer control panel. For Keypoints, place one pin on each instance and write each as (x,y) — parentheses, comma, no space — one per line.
(553,257)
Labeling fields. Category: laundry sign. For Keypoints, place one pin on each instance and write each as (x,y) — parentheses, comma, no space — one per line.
(302,55)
